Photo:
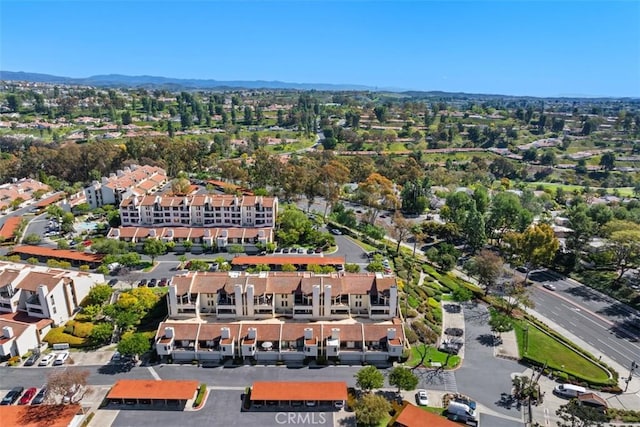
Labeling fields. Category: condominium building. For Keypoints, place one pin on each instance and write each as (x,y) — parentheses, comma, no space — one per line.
(303,295)
(43,293)
(133,180)
(281,341)
(199,210)
(282,316)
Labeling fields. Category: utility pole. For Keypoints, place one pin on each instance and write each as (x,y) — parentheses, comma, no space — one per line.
(634,366)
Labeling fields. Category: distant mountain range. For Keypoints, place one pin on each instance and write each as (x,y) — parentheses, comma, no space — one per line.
(119,80)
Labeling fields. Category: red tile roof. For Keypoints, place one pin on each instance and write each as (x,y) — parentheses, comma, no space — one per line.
(280,260)
(50,200)
(299,390)
(33,280)
(38,416)
(9,227)
(17,327)
(21,316)
(412,416)
(57,253)
(150,389)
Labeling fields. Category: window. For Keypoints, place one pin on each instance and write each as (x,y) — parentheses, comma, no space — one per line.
(53,302)
(284,303)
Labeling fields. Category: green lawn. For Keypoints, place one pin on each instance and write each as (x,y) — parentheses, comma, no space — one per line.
(569,188)
(434,355)
(543,348)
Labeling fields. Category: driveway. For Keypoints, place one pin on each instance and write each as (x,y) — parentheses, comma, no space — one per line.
(483,376)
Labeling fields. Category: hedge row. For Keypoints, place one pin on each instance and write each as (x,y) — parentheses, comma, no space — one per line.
(58,336)
(201,392)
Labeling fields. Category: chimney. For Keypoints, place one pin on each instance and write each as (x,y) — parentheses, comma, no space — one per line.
(225,333)
(7,332)
(335,333)
(252,333)
(168,332)
(391,333)
(308,333)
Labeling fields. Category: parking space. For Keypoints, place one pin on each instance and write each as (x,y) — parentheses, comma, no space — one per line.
(224,407)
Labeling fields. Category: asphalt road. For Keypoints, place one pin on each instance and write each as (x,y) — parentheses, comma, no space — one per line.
(607,325)
(483,376)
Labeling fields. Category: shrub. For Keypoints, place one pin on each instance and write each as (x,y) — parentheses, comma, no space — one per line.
(68,328)
(58,336)
(201,393)
(411,336)
(82,329)
(14,361)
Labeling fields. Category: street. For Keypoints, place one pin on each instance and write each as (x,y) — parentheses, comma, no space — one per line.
(604,323)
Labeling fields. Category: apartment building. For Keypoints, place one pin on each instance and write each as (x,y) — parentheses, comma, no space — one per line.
(282,316)
(214,236)
(281,341)
(17,338)
(134,180)
(43,293)
(200,210)
(298,295)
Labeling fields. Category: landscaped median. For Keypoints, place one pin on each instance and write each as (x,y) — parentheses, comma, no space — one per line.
(543,348)
(200,399)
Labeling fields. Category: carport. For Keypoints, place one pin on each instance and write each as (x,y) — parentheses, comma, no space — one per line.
(307,394)
(164,394)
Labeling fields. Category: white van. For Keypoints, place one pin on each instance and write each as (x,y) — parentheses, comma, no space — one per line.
(458,411)
(569,390)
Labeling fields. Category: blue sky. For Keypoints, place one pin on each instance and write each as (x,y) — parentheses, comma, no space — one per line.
(537,48)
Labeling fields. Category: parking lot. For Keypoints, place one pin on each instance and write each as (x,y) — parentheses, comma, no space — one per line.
(223,407)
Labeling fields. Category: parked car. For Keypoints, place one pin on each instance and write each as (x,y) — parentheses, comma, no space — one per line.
(48,358)
(310,251)
(336,232)
(61,358)
(454,332)
(40,396)
(301,250)
(27,396)
(549,286)
(163,282)
(142,282)
(31,360)
(13,395)
(113,282)
(152,283)
(422,398)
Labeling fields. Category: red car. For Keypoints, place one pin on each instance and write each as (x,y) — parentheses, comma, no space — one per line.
(27,396)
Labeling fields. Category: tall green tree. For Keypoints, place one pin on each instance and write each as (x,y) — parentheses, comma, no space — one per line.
(535,247)
(486,266)
(371,409)
(154,248)
(134,344)
(403,378)
(369,378)
(624,243)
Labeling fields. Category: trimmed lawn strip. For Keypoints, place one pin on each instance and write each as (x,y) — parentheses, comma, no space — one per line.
(435,356)
(543,348)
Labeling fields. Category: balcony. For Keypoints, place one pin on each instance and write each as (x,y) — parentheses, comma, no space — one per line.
(184,345)
(34,299)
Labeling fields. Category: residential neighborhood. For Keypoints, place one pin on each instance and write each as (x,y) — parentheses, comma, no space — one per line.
(405,214)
